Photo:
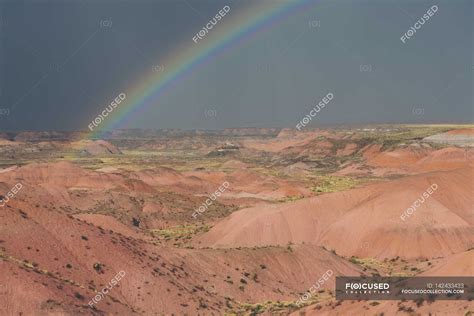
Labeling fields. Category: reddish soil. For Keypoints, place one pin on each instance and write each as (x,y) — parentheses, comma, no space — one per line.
(267,238)
(441,226)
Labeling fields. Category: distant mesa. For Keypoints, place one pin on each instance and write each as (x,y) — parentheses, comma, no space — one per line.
(97,148)
(459,137)
(251,131)
(154,133)
(37,136)
(6,139)
(227,149)
(234,164)
(292,132)
(286,132)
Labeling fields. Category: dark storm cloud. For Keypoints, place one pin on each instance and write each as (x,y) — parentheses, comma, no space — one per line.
(61,62)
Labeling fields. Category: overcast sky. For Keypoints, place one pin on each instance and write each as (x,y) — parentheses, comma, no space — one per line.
(58,66)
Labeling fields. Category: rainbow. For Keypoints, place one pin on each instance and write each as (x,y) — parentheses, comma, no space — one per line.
(230,31)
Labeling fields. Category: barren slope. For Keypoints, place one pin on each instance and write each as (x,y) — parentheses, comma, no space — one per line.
(371,215)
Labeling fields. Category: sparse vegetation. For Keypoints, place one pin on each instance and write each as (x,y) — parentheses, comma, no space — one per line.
(79,296)
(180,235)
(98,267)
(330,183)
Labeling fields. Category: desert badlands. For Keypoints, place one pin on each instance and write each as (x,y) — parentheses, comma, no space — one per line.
(235,222)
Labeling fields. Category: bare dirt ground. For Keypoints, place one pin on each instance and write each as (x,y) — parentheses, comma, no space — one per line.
(155,205)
